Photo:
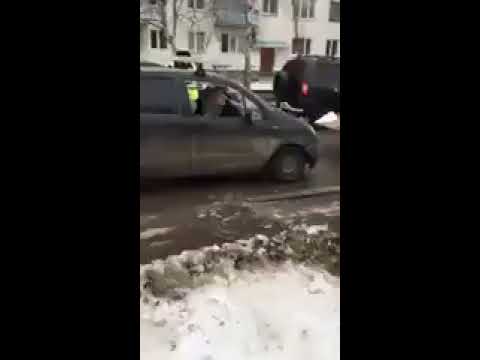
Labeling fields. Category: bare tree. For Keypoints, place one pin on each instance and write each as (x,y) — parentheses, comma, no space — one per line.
(161,8)
(207,16)
(177,4)
(296,16)
(151,14)
(192,17)
(300,7)
(155,13)
(248,40)
(246,50)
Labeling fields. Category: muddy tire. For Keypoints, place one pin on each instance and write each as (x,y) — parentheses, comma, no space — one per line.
(288,165)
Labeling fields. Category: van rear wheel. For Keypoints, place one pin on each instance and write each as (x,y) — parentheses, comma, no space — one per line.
(288,165)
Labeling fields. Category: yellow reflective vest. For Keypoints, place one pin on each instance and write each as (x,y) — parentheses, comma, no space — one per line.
(193,92)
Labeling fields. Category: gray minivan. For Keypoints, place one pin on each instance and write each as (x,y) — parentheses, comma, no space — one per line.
(178,139)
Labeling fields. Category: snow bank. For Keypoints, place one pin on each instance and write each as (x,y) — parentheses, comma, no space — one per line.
(301,243)
(256,299)
(329,120)
(150,233)
(284,312)
(261,86)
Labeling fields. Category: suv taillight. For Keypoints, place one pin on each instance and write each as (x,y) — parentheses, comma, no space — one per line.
(304,88)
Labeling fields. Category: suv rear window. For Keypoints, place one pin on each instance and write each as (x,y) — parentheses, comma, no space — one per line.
(157,96)
(294,67)
(316,72)
(323,74)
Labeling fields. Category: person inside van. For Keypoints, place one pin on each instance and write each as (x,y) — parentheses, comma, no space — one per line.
(234,104)
(220,101)
(211,102)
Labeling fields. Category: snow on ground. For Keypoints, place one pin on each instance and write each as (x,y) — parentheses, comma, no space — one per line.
(261,298)
(261,86)
(281,312)
(150,233)
(329,120)
(256,299)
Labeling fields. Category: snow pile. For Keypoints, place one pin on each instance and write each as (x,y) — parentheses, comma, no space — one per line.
(261,298)
(153,232)
(172,277)
(261,86)
(284,312)
(329,120)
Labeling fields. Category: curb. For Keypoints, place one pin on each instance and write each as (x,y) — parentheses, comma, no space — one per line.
(297,194)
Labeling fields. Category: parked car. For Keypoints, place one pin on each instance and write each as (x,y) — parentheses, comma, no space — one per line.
(178,139)
(183,60)
(310,83)
(148,63)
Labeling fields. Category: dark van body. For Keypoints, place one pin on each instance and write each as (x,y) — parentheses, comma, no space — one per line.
(176,141)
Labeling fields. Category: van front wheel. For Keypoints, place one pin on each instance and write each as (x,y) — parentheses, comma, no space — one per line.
(288,165)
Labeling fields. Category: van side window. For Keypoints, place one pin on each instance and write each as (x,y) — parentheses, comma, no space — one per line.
(209,98)
(157,96)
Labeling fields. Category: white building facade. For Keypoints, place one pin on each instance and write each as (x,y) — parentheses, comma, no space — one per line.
(217,35)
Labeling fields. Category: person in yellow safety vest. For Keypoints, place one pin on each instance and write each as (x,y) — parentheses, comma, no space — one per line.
(193,92)
(193,95)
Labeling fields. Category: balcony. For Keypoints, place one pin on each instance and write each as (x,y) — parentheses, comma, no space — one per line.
(228,18)
(149,15)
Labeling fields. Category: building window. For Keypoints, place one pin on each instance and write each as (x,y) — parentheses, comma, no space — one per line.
(304,9)
(332,48)
(153,39)
(158,40)
(229,43)
(196,4)
(334,11)
(196,42)
(301,46)
(270,7)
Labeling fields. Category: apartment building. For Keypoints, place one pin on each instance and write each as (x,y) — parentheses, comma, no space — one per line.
(214,30)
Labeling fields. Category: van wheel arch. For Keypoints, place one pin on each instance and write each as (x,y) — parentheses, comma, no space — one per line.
(272,167)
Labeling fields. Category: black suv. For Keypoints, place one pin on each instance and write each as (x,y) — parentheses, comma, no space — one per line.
(311,83)
(179,137)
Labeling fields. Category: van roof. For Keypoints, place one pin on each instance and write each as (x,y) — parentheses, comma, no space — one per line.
(189,75)
(184,73)
(166,70)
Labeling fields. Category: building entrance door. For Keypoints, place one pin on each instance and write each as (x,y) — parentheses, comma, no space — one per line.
(267,58)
